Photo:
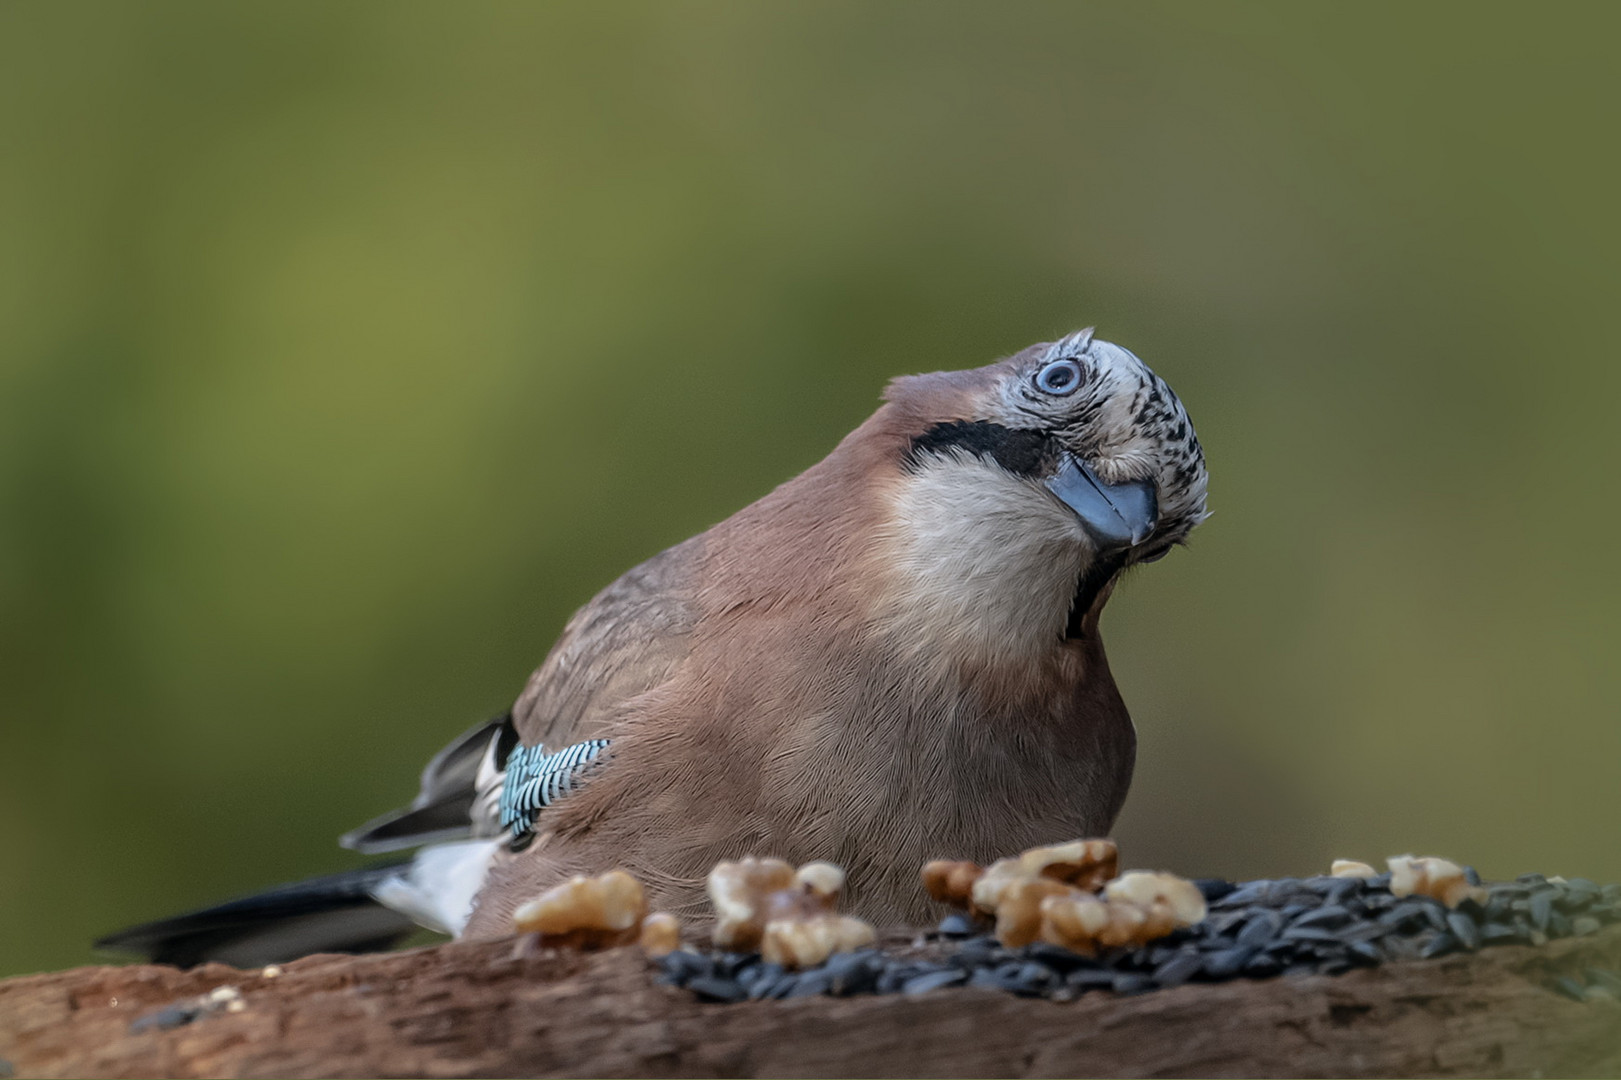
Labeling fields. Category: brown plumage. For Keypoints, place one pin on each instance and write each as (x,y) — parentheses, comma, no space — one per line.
(877,663)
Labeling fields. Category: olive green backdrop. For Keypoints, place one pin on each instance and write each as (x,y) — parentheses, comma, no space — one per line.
(346,348)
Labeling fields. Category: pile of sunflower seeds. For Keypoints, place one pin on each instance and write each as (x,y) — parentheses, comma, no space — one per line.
(1258,929)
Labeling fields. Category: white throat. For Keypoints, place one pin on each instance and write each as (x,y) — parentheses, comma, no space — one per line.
(980,560)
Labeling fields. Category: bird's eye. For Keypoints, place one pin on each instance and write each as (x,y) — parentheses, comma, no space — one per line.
(1060,378)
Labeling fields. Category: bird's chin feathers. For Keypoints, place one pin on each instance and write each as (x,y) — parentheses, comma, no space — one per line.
(977,561)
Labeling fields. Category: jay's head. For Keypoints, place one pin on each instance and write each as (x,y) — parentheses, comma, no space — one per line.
(1026,486)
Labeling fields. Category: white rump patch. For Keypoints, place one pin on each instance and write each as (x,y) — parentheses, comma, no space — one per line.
(437,887)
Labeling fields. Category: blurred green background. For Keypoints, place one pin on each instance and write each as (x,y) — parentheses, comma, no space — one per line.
(346,348)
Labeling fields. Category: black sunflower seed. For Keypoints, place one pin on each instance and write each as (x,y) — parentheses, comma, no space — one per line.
(1541,908)
(1309,933)
(1405,916)
(984,977)
(1579,891)
(976,953)
(1328,917)
(1089,978)
(1377,901)
(1248,893)
(1439,945)
(1179,968)
(1031,980)
(1262,928)
(896,972)
(1364,931)
(164,1019)
(1570,988)
(1285,951)
(1219,925)
(853,973)
(1128,983)
(1464,929)
(1607,979)
(1434,912)
(934,980)
(713,988)
(682,965)
(1055,956)
(1228,962)
(1401,948)
(765,986)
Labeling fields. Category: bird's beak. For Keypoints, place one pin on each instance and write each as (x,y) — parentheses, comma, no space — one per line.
(1115,516)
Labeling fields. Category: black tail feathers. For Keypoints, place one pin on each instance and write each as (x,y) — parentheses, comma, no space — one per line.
(335,913)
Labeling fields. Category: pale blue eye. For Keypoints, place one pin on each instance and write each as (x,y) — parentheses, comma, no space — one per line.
(1060,378)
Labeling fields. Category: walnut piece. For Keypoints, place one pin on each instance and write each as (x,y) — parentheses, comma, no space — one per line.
(1050,894)
(1135,908)
(822,881)
(801,943)
(588,912)
(1352,868)
(951,882)
(1082,864)
(1439,879)
(1179,897)
(1018,909)
(1082,923)
(1085,864)
(660,935)
(743,893)
(788,915)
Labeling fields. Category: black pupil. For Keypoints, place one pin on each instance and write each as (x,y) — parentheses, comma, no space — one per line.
(1057,377)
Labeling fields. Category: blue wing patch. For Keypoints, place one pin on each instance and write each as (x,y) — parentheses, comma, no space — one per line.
(535,779)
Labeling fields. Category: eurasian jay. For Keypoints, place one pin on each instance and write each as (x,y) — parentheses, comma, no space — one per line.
(891,658)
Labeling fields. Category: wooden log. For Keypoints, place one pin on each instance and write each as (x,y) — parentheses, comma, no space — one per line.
(487,1010)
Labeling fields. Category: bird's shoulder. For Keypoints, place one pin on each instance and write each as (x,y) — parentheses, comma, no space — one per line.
(628,639)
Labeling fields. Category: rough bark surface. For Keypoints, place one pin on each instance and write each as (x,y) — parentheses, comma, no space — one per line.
(488,1010)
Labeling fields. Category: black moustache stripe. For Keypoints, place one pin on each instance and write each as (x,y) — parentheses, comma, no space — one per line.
(1020,451)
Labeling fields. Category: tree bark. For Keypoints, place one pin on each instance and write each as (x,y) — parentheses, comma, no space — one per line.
(488,1009)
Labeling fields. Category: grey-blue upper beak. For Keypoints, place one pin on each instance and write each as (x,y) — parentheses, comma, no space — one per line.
(1115,516)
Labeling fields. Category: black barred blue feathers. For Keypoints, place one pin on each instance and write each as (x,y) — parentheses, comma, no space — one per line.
(535,779)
